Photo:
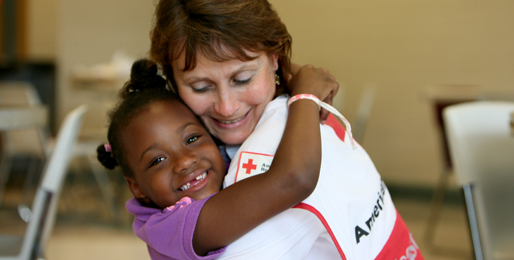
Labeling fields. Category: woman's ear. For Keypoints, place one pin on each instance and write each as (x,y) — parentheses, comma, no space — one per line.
(136,189)
(274,61)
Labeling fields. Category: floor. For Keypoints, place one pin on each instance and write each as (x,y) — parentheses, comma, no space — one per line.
(87,228)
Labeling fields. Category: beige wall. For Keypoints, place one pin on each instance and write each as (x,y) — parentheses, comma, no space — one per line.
(89,33)
(41,29)
(400,45)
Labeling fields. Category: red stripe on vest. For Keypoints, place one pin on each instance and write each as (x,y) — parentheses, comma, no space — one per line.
(318,214)
(336,125)
(401,244)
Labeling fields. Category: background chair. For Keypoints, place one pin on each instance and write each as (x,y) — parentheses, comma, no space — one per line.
(29,144)
(482,154)
(440,97)
(44,207)
(35,144)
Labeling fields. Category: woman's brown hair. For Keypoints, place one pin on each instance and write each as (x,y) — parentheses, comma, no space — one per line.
(218,29)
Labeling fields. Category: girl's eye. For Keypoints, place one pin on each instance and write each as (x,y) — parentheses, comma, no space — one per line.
(156,161)
(192,139)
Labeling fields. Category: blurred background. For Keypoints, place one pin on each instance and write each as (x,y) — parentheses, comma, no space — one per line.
(390,57)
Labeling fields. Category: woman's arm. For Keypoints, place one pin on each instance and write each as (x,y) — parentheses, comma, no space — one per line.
(292,177)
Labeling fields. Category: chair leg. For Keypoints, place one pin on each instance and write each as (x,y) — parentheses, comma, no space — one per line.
(105,185)
(29,186)
(473,224)
(436,206)
(5,171)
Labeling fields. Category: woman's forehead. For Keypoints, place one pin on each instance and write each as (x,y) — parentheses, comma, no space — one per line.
(206,68)
(216,53)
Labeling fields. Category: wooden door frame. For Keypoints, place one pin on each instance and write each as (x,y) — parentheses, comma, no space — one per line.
(13,47)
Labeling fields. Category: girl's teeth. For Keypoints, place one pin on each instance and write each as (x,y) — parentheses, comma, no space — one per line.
(188,185)
(201,176)
(185,187)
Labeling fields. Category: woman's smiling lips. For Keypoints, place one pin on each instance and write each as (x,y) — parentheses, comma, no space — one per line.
(231,123)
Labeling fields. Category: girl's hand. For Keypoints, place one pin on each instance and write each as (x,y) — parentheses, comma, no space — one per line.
(316,81)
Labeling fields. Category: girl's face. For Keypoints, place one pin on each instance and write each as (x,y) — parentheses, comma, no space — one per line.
(172,155)
(228,96)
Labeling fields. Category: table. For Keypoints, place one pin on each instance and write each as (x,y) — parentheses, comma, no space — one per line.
(22,117)
(512,123)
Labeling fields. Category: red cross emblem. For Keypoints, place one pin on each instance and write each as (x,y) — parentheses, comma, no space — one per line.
(249,166)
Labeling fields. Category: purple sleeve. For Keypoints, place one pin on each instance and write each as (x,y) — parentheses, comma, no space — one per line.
(168,233)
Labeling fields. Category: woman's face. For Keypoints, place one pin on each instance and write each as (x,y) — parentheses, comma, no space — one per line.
(228,96)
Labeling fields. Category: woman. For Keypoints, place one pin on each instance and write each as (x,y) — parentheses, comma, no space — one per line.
(177,48)
(228,60)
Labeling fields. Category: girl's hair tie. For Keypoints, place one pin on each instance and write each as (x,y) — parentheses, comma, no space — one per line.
(108,148)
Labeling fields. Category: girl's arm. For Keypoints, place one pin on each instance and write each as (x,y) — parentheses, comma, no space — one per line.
(323,114)
(292,177)
(295,68)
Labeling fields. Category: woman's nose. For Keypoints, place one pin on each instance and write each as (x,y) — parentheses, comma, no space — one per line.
(183,162)
(227,103)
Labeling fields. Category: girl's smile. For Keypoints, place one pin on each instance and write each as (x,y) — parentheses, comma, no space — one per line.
(196,184)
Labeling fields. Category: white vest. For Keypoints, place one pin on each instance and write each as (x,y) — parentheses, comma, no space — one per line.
(351,205)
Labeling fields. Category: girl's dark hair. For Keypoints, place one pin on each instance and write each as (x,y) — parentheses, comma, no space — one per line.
(145,86)
(220,30)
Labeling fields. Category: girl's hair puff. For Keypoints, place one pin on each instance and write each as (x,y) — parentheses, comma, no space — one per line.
(145,86)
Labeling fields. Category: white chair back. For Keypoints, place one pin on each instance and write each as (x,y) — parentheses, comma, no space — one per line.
(57,166)
(482,154)
(44,207)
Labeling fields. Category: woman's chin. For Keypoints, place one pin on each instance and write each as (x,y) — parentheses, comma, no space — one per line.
(233,138)
(231,135)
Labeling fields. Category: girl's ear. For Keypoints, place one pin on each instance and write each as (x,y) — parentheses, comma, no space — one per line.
(136,190)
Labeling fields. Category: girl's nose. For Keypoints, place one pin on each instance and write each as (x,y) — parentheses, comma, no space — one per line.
(184,161)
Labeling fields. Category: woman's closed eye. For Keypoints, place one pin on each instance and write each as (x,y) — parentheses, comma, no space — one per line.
(200,86)
(201,89)
(242,81)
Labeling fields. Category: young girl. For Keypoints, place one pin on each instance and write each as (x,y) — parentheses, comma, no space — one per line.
(175,170)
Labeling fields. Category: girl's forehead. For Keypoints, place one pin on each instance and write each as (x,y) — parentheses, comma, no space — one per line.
(170,112)
(171,108)
(160,121)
